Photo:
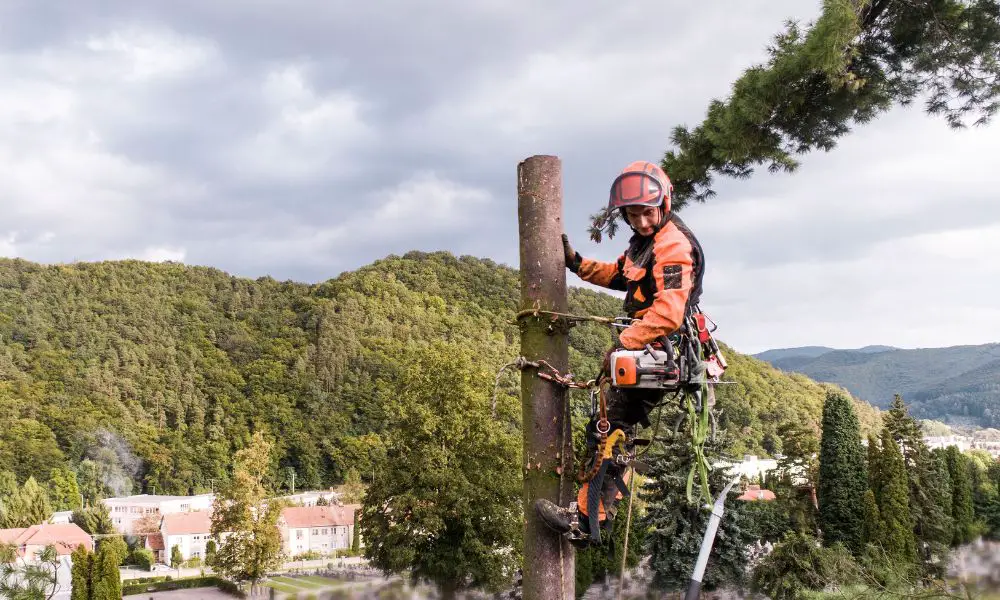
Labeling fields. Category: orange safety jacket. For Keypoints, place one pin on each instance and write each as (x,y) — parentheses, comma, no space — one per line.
(661,276)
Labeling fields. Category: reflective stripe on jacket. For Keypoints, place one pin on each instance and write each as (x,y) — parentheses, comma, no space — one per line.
(661,279)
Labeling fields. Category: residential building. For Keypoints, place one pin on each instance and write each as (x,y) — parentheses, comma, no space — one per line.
(754,493)
(310,498)
(322,529)
(751,466)
(126,511)
(31,540)
(188,531)
(61,517)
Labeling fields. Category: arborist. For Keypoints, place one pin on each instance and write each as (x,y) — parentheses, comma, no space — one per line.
(661,274)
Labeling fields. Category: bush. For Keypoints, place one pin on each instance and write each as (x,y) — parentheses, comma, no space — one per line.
(799,564)
(142,558)
(182,584)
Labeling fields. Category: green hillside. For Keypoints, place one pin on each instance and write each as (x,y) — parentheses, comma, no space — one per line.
(149,376)
(959,384)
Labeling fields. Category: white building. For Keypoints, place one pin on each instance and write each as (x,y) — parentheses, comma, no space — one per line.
(751,467)
(126,511)
(962,442)
(320,529)
(310,498)
(61,517)
(188,531)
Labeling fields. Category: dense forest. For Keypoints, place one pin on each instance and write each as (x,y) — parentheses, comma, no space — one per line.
(957,384)
(147,377)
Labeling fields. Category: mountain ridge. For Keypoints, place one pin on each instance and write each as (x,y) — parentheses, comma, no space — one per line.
(958,383)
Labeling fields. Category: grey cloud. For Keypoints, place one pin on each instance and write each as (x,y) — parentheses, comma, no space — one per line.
(202,159)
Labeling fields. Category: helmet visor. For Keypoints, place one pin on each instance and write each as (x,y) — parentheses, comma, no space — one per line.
(636,189)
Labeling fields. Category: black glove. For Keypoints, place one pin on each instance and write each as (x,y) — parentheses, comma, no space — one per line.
(573,258)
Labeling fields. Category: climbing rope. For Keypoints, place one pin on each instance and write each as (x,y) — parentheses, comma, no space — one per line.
(699,417)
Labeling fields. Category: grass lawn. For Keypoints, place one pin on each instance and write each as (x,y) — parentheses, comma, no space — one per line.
(299,582)
(322,581)
(281,587)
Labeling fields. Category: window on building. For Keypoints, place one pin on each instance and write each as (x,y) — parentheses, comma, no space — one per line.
(324,531)
(298,534)
(315,531)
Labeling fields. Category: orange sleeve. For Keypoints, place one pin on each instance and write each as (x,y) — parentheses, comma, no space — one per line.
(672,272)
(604,274)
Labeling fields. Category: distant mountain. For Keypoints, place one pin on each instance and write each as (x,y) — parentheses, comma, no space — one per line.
(957,385)
(784,353)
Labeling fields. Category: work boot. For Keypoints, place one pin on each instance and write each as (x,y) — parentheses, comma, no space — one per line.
(554,516)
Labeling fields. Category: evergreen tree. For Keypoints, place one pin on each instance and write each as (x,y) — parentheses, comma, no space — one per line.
(80,573)
(961,497)
(855,62)
(843,474)
(875,476)
(932,523)
(356,535)
(30,505)
(95,520)
(675,528)
(64,492)
(872,531)
(797,473)
(896,528)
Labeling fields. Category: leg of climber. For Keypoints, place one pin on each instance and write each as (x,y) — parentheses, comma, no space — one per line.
(597,501)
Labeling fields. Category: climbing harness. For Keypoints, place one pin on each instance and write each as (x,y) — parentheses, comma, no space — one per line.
(688,363)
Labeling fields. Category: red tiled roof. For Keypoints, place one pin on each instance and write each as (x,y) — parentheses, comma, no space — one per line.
(318,516)
(755,493)
(198,521)
(64,536)
(155,541)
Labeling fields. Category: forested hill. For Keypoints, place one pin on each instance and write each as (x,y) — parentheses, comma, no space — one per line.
(148,376)
(957,384)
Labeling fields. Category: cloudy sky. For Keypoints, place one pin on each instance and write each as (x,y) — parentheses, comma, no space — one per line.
(304,138)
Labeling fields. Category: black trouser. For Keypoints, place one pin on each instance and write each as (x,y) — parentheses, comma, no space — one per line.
(626,408)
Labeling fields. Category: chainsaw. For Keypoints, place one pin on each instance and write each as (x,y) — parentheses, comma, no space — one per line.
(662,367)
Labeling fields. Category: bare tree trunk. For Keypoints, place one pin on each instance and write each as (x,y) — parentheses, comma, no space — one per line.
(548,558)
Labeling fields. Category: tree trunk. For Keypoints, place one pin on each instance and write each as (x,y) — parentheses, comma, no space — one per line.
(548,445)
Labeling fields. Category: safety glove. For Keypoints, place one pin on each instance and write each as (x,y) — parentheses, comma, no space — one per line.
(573,258)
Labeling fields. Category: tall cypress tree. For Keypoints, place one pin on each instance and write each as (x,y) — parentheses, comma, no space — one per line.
(931,520)
(961,496)
(81,574)
(843,474)
(872,531)
(894,508)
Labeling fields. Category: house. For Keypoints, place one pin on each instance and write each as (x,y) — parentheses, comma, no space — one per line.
(32,540)
(754,493)
(188,531)
(61,517)
(127,510)
(322,529)
(310,498)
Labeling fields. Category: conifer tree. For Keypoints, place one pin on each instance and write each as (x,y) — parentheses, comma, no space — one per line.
(80,573)
(932,521)
(872,531)
(64,492)
(961,497)
(676,528)
(856,61)
(843,474)
(897,530)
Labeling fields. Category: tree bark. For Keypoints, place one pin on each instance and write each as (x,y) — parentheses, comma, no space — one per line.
(548,558)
